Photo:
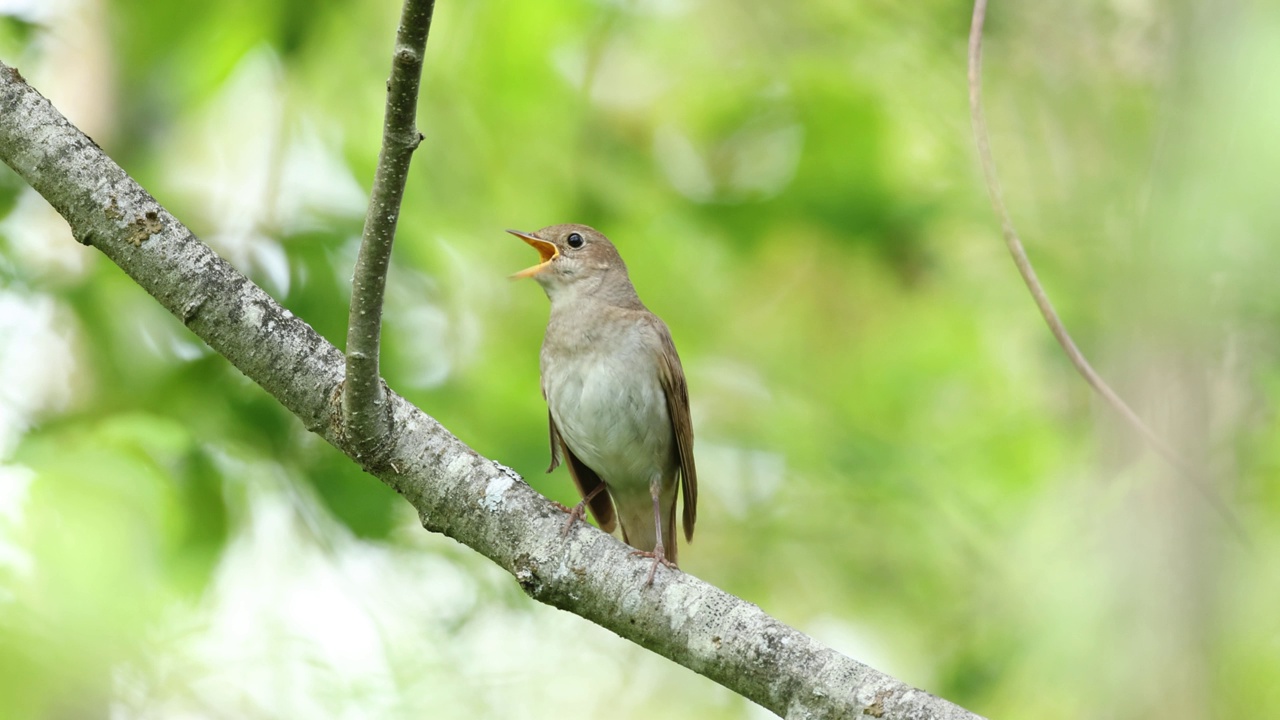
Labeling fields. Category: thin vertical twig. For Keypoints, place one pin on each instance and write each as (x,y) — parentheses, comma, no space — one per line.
(1028,273)
(364,397)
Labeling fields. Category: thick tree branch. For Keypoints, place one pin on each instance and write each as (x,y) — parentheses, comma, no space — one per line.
(456,492)
(366,421)
(1014,242)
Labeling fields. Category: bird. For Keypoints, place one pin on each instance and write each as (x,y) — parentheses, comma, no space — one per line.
(617,399)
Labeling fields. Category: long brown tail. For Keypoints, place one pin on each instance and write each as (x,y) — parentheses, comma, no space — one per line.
(638,525)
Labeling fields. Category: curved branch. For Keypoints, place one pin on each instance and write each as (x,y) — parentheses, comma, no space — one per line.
(1028,273)
(364,396)
(455,491)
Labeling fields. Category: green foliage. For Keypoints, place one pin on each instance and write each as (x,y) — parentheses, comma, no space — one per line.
(894,454)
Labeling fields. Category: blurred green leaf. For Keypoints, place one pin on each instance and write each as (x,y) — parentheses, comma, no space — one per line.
(892,448)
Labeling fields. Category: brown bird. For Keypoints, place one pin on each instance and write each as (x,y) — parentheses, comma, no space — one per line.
(616,395)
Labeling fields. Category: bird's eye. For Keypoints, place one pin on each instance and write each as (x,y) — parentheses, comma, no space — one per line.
(575,240)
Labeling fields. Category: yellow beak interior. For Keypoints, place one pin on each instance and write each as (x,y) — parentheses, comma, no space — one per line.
(546,250)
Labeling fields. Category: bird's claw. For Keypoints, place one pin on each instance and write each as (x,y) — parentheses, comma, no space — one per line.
(577,512)
(659,558)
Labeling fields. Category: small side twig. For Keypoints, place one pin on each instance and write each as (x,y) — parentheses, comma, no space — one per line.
(364,399)
(1028,273)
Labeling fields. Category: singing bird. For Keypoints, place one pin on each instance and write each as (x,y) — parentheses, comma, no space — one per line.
(617,400)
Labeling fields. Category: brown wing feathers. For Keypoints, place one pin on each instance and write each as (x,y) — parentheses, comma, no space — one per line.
(677,390)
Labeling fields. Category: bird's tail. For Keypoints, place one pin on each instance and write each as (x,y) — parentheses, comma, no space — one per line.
(638,527)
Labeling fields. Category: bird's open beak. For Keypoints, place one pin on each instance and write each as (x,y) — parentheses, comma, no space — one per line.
(546,250)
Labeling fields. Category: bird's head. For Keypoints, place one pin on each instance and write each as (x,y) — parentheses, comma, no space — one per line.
(575,260)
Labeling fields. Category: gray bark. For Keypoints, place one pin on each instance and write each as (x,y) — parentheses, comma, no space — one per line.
(476,501)
(363,393)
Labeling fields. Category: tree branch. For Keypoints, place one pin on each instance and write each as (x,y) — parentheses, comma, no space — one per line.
(366,421)
(456,492)
(1014,242)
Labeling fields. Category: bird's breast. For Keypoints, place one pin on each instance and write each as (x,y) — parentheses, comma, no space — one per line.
(611,410)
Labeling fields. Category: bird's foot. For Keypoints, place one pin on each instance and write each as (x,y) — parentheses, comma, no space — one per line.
(577,512)
(659,558)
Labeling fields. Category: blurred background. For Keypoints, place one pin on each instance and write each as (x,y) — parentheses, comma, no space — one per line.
(895,456)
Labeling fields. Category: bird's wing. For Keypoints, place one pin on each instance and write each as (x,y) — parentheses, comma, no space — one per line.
(584,477)
(555,442)
(671,373)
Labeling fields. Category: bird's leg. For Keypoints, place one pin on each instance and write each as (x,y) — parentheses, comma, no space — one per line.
(579,511)
(659,554)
